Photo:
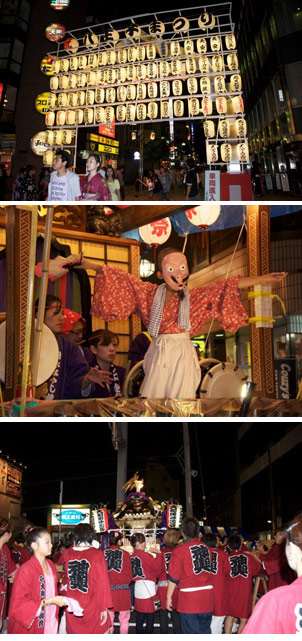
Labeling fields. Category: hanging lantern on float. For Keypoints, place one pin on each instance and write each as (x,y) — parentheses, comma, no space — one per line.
(174,515)
(61,118)
(164,89)
(62,100)
(47,65)
(50,118)
(151,52)
(131,92)
(122,56)
(38,144)
(151,70)
(100,520)
(141,111)
(64,66)
(90,98)
(82,62)
(224,129)
(141,53)
(49,138)
(52,100)
(81,79)
(156,233)
(133,135)
(194,107)
(63,82)
(181,24)
(100,114)
(226,152)
(103,59)
(121,113)
(152,135)
(55,32)
(130,112)
(132,54)
(209,128)
(188,47)
(100,95)
(48,158)
(67,136)
(192,85)
(54,83)
(78,117)
(131,73)
(92,61)
(110,94)
(152,90)
(109,114)
(91,78)
(235,82)
(191,66)
(203,216)
(152,110)
(141,72)
(215,43)
(121,74)
(72,81)
(176,67)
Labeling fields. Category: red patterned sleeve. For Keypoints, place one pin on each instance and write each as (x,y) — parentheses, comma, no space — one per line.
(117,294)
(219,300)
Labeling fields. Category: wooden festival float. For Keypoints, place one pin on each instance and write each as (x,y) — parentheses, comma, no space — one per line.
(30,233)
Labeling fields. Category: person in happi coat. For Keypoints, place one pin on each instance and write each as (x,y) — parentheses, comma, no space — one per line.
(275,562)
(172,314)
(280,610)
(219,564)
(34,605)
(85,578)
(7,566)
(19,552)
(145,572)
(103,347)
(170,542)
(120,576)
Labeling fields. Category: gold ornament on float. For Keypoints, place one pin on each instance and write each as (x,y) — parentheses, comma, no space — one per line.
(201,45)
(235,82)
(209,128)
(224,129)
(243,152)
(206,21)
(206,106)
(230,41)
(177,87)
(221,105)
(178,108)
(226,152)
(194,107)
(205,85)
(219,84)
(152,110)
(192,85)
(240,127)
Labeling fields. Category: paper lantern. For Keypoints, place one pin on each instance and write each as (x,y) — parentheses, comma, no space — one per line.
(91,40)
(181,24)
(230,41)
(217,63)
(226,152)
(215,43)
(99,114)
(57,137)
(238,105)
(91,78)
(121,113)
(67,136)
(90,97)
(82,62)
(212,153)
(240,127)
(191,65)
(151,52)
(64,66)
(55,32)
(132,54)
(194,107)
(175,67)
(224,129)
(81,98)
(141,72)
(152,90)
(164,89)
(38,144)
(209,128)
(50,118)
(221,105)
(205,85)
(103,59)
(232,61)
(109,114)
(41,102)
(151,70)
(121,74)
(52,100)
(130,112)
(202,216)
(110,94)
(100,76)
(243,152)
(156,28)
(192,85)
(57,66)
(131,92)
(164,68)
(152,110)
(71,44)
(78,117)
(122,93)
(206,21)
(141,111)
(122,56)
(72,81)
(54,83)
(178,108)
(175,48)
(201,45)
(61,117)
(235,82)
(49,138)
(62,100)
(188,47)
(206,106)
(81,79)
(141,53)
(204,64)
(165,109)
(70,117)
(174,515)
(47,65)
(100,520)
(112,57)
(219,84)
(88,116)
(177,87)
(131,73)
(48,158)
(156,233)
(74,63)
(63,82)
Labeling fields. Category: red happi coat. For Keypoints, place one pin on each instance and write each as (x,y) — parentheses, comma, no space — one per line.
(166,554)
(20,554)
(7,567)
(85,579)
(145,568)
(27,594)
(242,567)
(276,566)
(190,568)
(220,569)
(120,575)
(278,612)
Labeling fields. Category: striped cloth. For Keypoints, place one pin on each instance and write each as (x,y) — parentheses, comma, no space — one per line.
(158,306)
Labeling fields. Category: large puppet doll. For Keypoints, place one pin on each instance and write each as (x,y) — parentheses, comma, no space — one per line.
(173,314)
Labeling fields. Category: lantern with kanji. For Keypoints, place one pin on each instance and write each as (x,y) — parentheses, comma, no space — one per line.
(209,128)
(201,44)
(226,152)
(100,520)
(174,515)
(240,127)
(203,216)
(156,233)
(243,152)
(224,129)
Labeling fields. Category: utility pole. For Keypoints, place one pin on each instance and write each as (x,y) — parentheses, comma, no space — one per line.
(119,433)
(188,471)
(61,503)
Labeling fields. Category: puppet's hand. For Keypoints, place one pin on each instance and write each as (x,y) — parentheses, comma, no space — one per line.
(273,277)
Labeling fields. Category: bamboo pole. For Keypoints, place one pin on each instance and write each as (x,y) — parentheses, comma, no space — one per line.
(42,297)
(29,306)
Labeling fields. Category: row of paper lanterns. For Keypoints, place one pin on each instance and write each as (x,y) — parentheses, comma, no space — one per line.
(162,68)
(141,111)
(226,152)
(224,128)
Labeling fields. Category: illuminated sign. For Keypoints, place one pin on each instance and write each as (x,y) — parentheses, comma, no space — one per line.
(70,515)
(41,102)
(55,32)
(59,4)
(47,65)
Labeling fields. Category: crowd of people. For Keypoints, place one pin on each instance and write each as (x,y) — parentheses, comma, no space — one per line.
(200,583)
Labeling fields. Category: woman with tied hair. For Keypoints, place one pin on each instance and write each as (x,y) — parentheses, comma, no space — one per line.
(103,347)
(34,605)
(85,578)
(93,186)
(170,541)
(280,610)
(120,575)
(145,571)
(7,565)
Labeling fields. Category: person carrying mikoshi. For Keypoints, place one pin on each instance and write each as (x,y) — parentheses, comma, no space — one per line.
(172,313)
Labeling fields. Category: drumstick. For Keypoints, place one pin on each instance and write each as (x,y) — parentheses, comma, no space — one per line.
(29,306)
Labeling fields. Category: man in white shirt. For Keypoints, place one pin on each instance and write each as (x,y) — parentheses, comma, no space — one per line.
(64,185)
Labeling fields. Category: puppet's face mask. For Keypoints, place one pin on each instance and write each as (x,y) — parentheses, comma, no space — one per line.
(175,271)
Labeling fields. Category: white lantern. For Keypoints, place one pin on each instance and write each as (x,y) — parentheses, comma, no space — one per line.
(61,117)
(178,108)
(78,117)
(92,61)
(70,117)
(57,137)
(101,76)
(205,84)
(109,114)
(57,66)
(152,110)
(141,53)
(131,73)
(141,72)
(175,48)
(191,65)
(221,105)
(67,136)
(192,85)
(201,45)
(62,100)
(88,116)
(152,90)
(194,107)
(156,233)
(74,63)
(103,59)
(112,57)
(99,114)
(121,113)
(203,216)
(209,128)
(81,98)
(64,65)
(100,95)
(49,138)
(164,89)
(230,41)
(48,158)
(240,127)
(54,83)
(91,78)
(72,99)
(224,129)
(206,106)
(82,62)
(243,152)
(181,24)
(50,117)
(130,112)
(132,54)
(151,70)
(204,64)
(63,82)
(141,92)
(164,68)
(226,152)
(131,92)
(212,153)
(215,43)
(72,81)
(232,61)
(235,82)
(206,21)
(81,79)
(165,109)
(177,87)
(52,100)
(175,67)
(189,47)
(90,97)
(122,56)
(110,94)
(151,52)
(217,63)
(238,106)
(141,111)
(219,84)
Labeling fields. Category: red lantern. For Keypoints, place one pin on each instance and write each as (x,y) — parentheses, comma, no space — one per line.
(156,233)
(71,44)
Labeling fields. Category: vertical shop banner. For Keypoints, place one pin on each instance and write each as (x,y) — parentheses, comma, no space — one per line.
(3,476)
(286,378)
(212,185)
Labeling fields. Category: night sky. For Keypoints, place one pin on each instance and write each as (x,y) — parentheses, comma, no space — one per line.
(86,461)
